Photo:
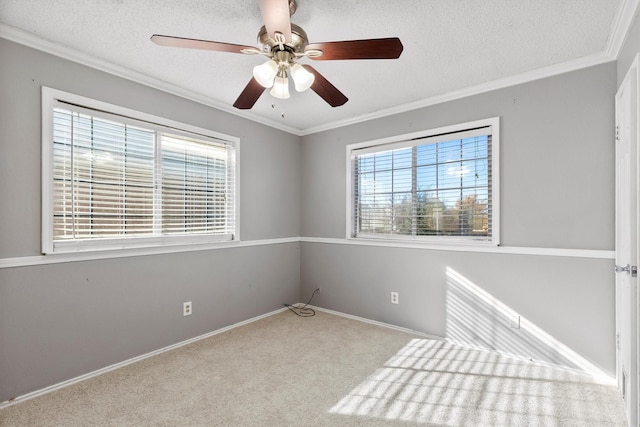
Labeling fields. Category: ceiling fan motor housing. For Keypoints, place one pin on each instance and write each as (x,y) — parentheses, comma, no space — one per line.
(283,50)
(299,41)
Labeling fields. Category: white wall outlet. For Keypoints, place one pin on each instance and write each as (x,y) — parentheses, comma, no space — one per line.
(187,308)
(395,298)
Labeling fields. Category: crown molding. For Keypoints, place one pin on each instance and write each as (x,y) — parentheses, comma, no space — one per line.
(621,26)
(529,76)
(31,40)
(617,36)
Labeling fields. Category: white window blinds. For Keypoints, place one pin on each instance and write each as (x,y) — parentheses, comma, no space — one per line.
(103,177)
(438,187)
(115,177)
(197,184)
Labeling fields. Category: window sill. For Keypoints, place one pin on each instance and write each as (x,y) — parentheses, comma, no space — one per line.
(160,244)
(424,241)
(430,244)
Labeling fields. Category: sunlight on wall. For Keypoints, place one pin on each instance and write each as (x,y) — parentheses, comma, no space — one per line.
(438,382)
(475,317)
(485,373)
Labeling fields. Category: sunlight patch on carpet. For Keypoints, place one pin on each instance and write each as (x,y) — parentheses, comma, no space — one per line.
(437,382)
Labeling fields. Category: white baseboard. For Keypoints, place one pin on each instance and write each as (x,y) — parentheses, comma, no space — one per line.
(127,362)
(124,363)
(596,374)
(49,389)
(375,322)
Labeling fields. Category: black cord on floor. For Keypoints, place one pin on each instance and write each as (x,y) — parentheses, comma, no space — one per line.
(303,311)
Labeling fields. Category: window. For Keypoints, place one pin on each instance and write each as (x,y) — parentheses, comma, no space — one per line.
(116,178)
(436,186)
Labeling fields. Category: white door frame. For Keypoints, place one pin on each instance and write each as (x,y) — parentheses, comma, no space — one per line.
(627,234)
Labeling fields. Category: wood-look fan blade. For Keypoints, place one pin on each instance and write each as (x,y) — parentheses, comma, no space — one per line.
(325,89)
(387,48)
(199,44)
(276,17)
(249,95)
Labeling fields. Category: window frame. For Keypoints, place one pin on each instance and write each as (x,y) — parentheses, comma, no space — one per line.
(50,99)
(398,141)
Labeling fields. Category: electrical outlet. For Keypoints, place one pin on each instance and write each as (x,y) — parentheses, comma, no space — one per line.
(395,298)
(187,308)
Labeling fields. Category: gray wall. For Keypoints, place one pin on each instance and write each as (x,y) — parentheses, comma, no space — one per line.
(557,191)
(60,321)
(269,158)
(556,154)
(444,294)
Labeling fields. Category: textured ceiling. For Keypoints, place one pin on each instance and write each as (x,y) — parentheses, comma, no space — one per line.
(448,45)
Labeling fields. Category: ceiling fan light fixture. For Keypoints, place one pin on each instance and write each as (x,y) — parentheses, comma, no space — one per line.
(265,73)
(280,88)
(302,79)
(283,43)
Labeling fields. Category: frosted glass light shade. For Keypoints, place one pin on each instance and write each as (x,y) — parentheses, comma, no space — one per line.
(265,73)
(302,79)
(280,88)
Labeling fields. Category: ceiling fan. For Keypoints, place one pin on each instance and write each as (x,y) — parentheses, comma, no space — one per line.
(284,43)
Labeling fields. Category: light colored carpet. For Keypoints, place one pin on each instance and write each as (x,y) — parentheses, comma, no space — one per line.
(325,370)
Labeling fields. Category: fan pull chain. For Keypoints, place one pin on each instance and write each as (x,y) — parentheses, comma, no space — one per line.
(274,106)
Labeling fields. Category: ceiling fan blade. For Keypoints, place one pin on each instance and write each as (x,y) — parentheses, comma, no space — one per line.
(249,95)
(325,89)
(387,48)
(276,17)
(199,44)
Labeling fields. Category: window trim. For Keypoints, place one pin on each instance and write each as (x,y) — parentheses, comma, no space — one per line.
(398,141)
(50,97)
